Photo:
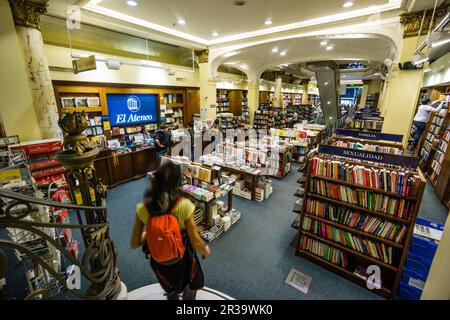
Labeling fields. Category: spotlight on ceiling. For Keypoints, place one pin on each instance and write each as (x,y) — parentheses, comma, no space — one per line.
(348,4)
(268,22)
(181,21)
(283,53)
(275,50)
(215,34)
(132,3)
(329,48)
(323,43)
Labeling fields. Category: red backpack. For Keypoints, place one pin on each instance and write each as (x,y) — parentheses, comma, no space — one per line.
(164,239)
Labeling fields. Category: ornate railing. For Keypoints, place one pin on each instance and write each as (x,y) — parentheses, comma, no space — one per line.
(98,265)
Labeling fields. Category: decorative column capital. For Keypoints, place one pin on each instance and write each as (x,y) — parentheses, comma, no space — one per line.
(411,21)
(27,13)
(202,55)
(366,82)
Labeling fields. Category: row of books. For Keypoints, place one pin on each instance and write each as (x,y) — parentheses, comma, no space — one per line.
(446,136)
(443,145)
(363,222)
(192,170)
(438,121)
(371,200)
(379,251)
(401,182)
(366,147)
(198,193)
(323,250)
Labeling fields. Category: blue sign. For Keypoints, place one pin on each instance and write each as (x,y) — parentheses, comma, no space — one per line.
(127,109)
(398,160)
(370,135)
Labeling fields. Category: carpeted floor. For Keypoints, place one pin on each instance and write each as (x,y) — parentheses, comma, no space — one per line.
(253,259)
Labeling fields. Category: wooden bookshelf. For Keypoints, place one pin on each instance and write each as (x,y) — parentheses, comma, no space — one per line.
(391,273)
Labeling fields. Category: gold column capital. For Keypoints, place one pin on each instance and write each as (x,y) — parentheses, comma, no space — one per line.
(411,21)
(202,55)
(27,13)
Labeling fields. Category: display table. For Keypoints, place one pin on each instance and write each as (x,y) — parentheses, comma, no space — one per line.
(253,177)
(114,168)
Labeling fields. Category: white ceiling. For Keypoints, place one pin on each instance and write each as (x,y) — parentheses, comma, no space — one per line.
(256,59)
(203,17)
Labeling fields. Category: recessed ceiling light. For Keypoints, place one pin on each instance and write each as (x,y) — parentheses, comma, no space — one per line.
(283,53)
(329,48)
(275,50)
(323,43)
(181,21)
(348,4)
(132,3)
(215,34)
(326,83)
(268,22)
(329,102)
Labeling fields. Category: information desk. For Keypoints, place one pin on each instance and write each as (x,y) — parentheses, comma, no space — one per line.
(114,168)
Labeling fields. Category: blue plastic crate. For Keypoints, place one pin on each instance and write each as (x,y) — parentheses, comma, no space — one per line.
(407,292)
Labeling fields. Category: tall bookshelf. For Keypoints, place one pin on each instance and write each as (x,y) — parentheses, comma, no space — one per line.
(373,226)
(430,145)
(223,103)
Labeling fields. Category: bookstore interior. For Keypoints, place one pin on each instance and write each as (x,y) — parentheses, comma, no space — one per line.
(312,141)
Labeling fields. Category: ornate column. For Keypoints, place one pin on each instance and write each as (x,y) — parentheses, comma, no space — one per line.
(252,99)
(208,95)
(26,16)
(365,91)
(277,100)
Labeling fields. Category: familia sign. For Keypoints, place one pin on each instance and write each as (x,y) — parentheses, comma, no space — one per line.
(370,135)
(131,109)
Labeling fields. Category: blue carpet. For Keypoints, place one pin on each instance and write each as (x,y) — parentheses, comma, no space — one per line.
(431,208)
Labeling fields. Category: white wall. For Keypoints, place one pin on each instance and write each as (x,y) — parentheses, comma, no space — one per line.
(60,57)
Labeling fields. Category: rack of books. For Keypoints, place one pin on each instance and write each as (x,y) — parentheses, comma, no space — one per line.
(45,169)
(250,177)
(359,214)
(372,100)
(368,141)
(366,124)
(244,107)
(298,139)
(223,103)
(432,140)
(204,186)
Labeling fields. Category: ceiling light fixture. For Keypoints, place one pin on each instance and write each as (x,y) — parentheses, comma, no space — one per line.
(181,21)
(323,43)
(283,53)
(348,4)
(132,3)
(215,34)
(275,50)
(268,22)
(329,48)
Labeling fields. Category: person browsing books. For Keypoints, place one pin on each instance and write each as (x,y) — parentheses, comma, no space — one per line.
(422,116)
(165,227)
(161,142)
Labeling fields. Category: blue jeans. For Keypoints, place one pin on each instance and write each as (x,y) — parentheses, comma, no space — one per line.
(420,127)
(160,154)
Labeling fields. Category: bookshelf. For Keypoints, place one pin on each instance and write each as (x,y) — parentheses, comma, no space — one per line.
(172,110)
(368,141)
(356,213)
(440,167)
(431,143)
(372,100)
(374,125)
(223,103)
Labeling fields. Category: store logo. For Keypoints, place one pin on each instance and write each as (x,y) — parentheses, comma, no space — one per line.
(133,104)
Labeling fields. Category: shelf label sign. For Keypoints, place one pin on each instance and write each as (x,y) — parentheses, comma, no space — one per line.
(127,109)
(398,160)
(370,135)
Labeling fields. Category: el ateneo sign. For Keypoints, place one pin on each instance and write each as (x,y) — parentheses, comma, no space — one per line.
(386,158)
(127,109)
(370,135)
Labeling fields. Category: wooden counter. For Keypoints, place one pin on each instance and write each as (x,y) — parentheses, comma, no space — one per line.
(114,169)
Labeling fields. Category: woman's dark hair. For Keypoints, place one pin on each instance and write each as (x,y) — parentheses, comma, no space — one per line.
(425,100)
(163,190)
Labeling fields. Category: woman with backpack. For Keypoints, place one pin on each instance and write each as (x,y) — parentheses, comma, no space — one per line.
(165,225)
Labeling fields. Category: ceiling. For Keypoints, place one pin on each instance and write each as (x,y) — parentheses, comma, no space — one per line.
(231,22)
(372,50)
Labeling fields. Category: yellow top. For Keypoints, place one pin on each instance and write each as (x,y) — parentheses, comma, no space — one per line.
(183,211)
